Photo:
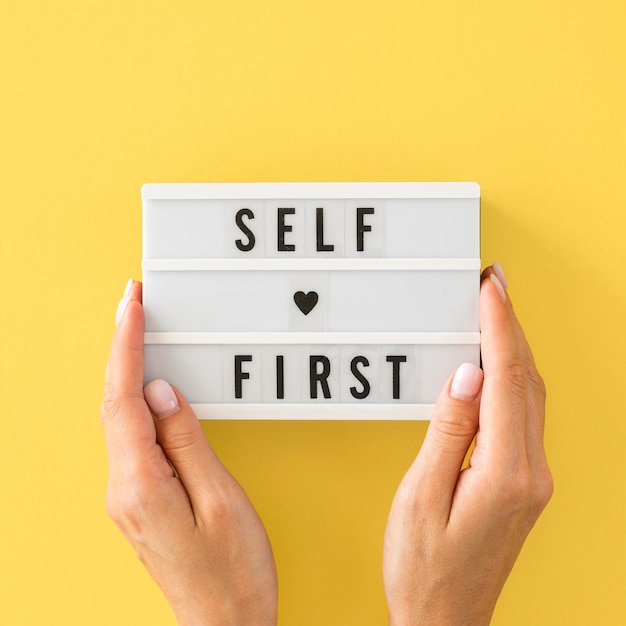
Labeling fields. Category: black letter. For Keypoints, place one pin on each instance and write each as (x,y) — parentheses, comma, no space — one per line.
(359,395)
(244,247)
(284,228)
(239,375)
(396,360)
(321,377)
(360,227)
(319,228)
(280,377)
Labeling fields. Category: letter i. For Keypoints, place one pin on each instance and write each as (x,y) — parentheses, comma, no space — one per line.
(280,377)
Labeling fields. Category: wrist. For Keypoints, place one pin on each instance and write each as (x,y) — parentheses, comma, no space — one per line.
(220,617)
(225,611)
(439,616)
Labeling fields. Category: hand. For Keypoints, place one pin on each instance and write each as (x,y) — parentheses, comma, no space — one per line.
(453,535)
(187,518)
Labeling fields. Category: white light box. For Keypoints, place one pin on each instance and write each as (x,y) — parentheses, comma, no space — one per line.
(310,300)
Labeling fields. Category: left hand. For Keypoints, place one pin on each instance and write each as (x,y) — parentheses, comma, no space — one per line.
(189,521)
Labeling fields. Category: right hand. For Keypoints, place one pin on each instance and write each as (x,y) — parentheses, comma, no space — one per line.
(453,535)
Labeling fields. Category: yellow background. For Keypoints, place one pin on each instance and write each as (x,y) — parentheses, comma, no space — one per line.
(526,97)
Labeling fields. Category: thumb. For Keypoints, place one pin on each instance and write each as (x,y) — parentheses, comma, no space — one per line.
(180,436)
(453,426)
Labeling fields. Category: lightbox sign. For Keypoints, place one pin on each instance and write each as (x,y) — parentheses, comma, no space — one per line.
(310,300)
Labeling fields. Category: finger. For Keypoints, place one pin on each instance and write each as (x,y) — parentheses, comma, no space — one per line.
(453,426)
(535,387)
(126,358)
(503,408)
(179,434)
(535,397)
(127,421)
(525,352)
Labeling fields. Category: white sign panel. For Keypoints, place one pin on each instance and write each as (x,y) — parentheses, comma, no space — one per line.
(310,300)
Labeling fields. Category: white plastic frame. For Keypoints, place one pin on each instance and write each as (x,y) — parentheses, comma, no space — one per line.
(307,191)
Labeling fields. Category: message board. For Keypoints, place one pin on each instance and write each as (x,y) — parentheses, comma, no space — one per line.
(310,300)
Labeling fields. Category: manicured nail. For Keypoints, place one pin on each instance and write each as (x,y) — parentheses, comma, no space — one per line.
(498,285)
(161,398)
(121,309)
(129,286)
(497,268)
(466,382)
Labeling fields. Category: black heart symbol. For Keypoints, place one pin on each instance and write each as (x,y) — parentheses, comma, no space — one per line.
(306,301)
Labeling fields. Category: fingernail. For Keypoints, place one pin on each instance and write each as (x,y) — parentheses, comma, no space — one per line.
(129,286)
(161,398)
(121,309)
(497,268)
(498,285)
(466,382)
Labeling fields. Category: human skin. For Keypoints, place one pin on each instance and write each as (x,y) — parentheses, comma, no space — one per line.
(189,521)
(454,534)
